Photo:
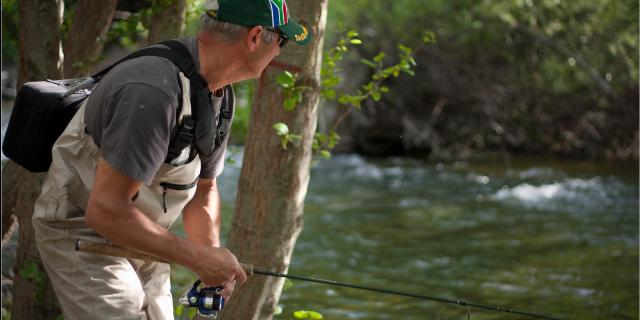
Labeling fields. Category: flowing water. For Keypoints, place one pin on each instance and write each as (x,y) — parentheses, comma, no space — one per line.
(543,235)
(548,236)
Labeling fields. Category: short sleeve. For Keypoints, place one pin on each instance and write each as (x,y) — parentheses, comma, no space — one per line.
(137,131)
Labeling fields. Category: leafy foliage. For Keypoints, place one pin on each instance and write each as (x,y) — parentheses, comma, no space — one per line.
(331,78)
(514,67)
(292,91)
(286,137)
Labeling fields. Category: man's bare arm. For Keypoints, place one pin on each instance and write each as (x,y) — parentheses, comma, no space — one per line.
(111,213)
(201,216)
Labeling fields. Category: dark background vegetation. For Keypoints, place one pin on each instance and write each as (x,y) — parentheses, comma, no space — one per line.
(509,76)
(550,77)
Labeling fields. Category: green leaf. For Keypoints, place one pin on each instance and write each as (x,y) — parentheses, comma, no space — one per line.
(368,63)
(379,57)
(429,37)
(179,310)
(333,139)
(352,34)
(193,312)
(404,49)
(355,41)
(294,137)
(376,96)
(30,271)
(281,129)
(315,315)
(301,314)
(384,89)
(290,103)
(285,79)
(325,154)
(329,94)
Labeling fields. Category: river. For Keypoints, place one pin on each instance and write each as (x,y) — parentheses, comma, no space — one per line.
(551,236)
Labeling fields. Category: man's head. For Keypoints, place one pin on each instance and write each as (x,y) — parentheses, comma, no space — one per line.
(270,14)
(252,30)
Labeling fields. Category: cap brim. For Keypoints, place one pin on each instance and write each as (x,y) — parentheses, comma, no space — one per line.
(297,32)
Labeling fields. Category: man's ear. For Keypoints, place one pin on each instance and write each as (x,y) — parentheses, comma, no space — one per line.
(254,36)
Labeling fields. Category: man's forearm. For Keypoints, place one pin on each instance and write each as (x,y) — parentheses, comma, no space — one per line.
(127,226)
(201,216)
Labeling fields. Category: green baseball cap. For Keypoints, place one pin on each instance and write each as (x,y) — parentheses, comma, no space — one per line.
(267,13)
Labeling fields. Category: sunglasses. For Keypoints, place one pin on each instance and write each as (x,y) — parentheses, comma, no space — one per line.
(282,39)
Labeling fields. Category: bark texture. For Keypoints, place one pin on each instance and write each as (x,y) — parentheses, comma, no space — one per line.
(167,22)
(86,38)
(40,58)
(273,181)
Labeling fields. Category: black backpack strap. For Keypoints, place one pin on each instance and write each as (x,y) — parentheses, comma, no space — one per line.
(224,120)
(183,138)
(191,73)
(182,61)
(177,53)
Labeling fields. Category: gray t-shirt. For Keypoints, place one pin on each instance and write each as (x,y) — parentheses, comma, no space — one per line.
(132,111)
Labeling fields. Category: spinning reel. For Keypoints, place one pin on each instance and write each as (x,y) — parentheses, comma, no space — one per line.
(208,300)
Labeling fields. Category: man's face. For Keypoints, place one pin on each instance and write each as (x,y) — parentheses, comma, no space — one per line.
(265,52)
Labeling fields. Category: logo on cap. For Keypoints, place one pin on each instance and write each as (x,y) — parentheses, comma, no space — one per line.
(302,36)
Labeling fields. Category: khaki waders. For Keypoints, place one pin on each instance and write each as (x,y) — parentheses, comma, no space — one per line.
(94,286)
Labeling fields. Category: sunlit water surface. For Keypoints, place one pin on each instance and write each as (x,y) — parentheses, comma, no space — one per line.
(547,236)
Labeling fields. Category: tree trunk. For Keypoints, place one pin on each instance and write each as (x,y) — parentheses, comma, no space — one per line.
(273,181)
(40,58)
(86,38)
(168,22)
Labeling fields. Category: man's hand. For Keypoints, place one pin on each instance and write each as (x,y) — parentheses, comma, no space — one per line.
(218,267)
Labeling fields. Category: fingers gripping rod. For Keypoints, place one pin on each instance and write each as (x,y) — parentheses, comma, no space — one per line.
(100,248)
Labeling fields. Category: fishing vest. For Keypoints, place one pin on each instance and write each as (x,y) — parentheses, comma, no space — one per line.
(66,189)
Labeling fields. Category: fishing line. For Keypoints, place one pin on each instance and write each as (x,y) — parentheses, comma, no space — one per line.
(398,293)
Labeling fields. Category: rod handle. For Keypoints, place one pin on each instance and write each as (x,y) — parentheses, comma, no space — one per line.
(111,250)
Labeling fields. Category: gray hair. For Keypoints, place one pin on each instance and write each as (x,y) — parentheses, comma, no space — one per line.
(229,31)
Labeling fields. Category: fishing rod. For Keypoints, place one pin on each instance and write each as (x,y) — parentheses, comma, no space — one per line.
(194,295)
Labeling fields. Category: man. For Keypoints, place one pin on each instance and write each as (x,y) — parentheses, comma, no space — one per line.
(111,179)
